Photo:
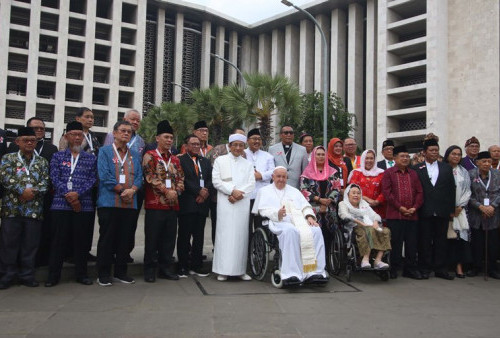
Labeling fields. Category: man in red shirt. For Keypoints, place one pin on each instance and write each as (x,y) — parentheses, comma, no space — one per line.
(164,181)
(404,196)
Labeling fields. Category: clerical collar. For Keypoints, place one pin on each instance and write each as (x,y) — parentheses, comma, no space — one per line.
(286,145)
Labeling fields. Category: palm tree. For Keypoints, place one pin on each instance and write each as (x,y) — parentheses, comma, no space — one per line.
(180,116)
(264,97)
(208,104)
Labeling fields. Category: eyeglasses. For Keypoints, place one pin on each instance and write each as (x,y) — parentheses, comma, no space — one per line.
(194,144)
(255,139)
(75,134)
(202,130)
(125,131)
(288,132)
(28,140)
(38,128)
(350,144)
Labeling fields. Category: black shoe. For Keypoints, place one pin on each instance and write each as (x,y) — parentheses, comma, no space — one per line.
(200,272)
(291,281)
(413,274)
(459,275)
(425,275)
(124,279)
(51,283)
(313,279)
(204,257)
(84,281)
(168,275)
(472,273)
(494,275)
(91,258)
(183,273)
(105,281)
(394,274)
(444,275)
(4,285)
(149,279)
(29,283)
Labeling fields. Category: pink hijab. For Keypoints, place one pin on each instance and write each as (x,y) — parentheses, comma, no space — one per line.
(374,171)
(312,172)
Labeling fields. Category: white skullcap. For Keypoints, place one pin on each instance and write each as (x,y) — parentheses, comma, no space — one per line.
(237,137)
(279,167)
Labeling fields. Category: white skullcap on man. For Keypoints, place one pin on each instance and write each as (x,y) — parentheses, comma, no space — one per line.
(279,167)
(237,137)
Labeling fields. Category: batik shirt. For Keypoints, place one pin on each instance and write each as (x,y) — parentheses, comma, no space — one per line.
(14,178)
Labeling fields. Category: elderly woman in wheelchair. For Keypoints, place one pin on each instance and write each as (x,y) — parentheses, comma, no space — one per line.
(370,235)
(292,221)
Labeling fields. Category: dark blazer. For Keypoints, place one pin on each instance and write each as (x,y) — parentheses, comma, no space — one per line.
(439,200)
(187,200)
(3,143)
(48,149)
(382,164)
(348,164)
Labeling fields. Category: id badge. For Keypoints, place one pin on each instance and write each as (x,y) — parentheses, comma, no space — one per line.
(122,179)
(70,185)
(202,183)
(486,202)
(168,183)
(29,185)
(341,182)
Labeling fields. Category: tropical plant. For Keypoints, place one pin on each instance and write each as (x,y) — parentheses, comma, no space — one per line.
(340,122)
(265,97)
(180,116)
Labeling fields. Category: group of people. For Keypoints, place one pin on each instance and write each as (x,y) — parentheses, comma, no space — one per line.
(50,198)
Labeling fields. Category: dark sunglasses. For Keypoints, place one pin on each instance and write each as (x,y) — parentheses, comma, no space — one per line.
(288,132)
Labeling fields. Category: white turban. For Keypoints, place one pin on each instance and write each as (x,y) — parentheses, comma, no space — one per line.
(237,137)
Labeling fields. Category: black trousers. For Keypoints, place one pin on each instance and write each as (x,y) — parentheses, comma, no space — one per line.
(42,256)
(19,240)
(213,218)
(115,225)
(69,228)
(160,230)
(255,220)
(190,226)
(140,200)
(403,231)
(433,244)
(478,248)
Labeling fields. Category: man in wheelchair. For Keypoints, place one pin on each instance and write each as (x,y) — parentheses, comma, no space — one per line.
(292,219)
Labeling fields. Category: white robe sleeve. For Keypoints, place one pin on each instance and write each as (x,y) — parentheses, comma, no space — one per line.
(224,187)
(266,175)
(344,212)
(249,186)
(308,211)
(271,213)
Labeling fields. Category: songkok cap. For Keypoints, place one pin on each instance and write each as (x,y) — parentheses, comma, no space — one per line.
(279,167)
(164,127)
(473,139)
(253,132)
(237,137)
(200,124)
(387,143)
(482,155)
(399,149)
(430,142)
(26,131)
(74,125)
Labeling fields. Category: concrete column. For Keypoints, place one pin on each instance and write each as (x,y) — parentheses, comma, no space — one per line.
(355,69)
(292,47)
(114,72)
(254,55)
(62,49)
(4,56)
(278,52)
(140,57)
(338,53)
(371,75)
(206,38)
(381,83)
(88,69)
(264,53)
(246,54)
(33,52)
(233,57)
(306,60)
(319,72)
(220,36)
(160,52)
(179,33)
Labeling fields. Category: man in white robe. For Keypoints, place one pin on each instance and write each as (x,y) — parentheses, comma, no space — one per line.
(292,219)
(233,177)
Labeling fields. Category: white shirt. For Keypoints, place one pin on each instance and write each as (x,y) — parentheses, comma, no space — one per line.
(433,171)
(263,162)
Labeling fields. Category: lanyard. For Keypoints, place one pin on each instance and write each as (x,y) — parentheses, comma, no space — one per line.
(487,184)
(88,137)
(74,161)
(22,161)
(163,161)
(197,162)
(122,161)
(41,149)
(132,141)
(204,154)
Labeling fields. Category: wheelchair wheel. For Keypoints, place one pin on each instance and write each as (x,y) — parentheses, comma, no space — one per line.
(276,279)
(259,253)
(335,253)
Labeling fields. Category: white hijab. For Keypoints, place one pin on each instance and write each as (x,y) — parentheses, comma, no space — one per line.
(374,171)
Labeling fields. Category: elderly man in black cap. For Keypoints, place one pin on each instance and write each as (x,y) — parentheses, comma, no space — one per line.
(73,173)
(200,130)
(484,215)
(439,188)
(263,166)
(25,178)
(472,147)
(387,152)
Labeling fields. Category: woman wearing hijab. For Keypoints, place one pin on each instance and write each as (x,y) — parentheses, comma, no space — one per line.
(336,161)
(320,185)
(370,235)
(458,231)
(369,177)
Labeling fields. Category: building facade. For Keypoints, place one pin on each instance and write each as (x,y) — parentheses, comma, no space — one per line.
(403,67)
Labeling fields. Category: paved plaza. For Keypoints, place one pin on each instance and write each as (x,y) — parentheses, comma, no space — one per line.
(204,307)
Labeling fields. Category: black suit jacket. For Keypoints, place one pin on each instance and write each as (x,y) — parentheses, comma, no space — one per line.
(48,149)
(187,200)
(382,164)
(439,200)
(348,164)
